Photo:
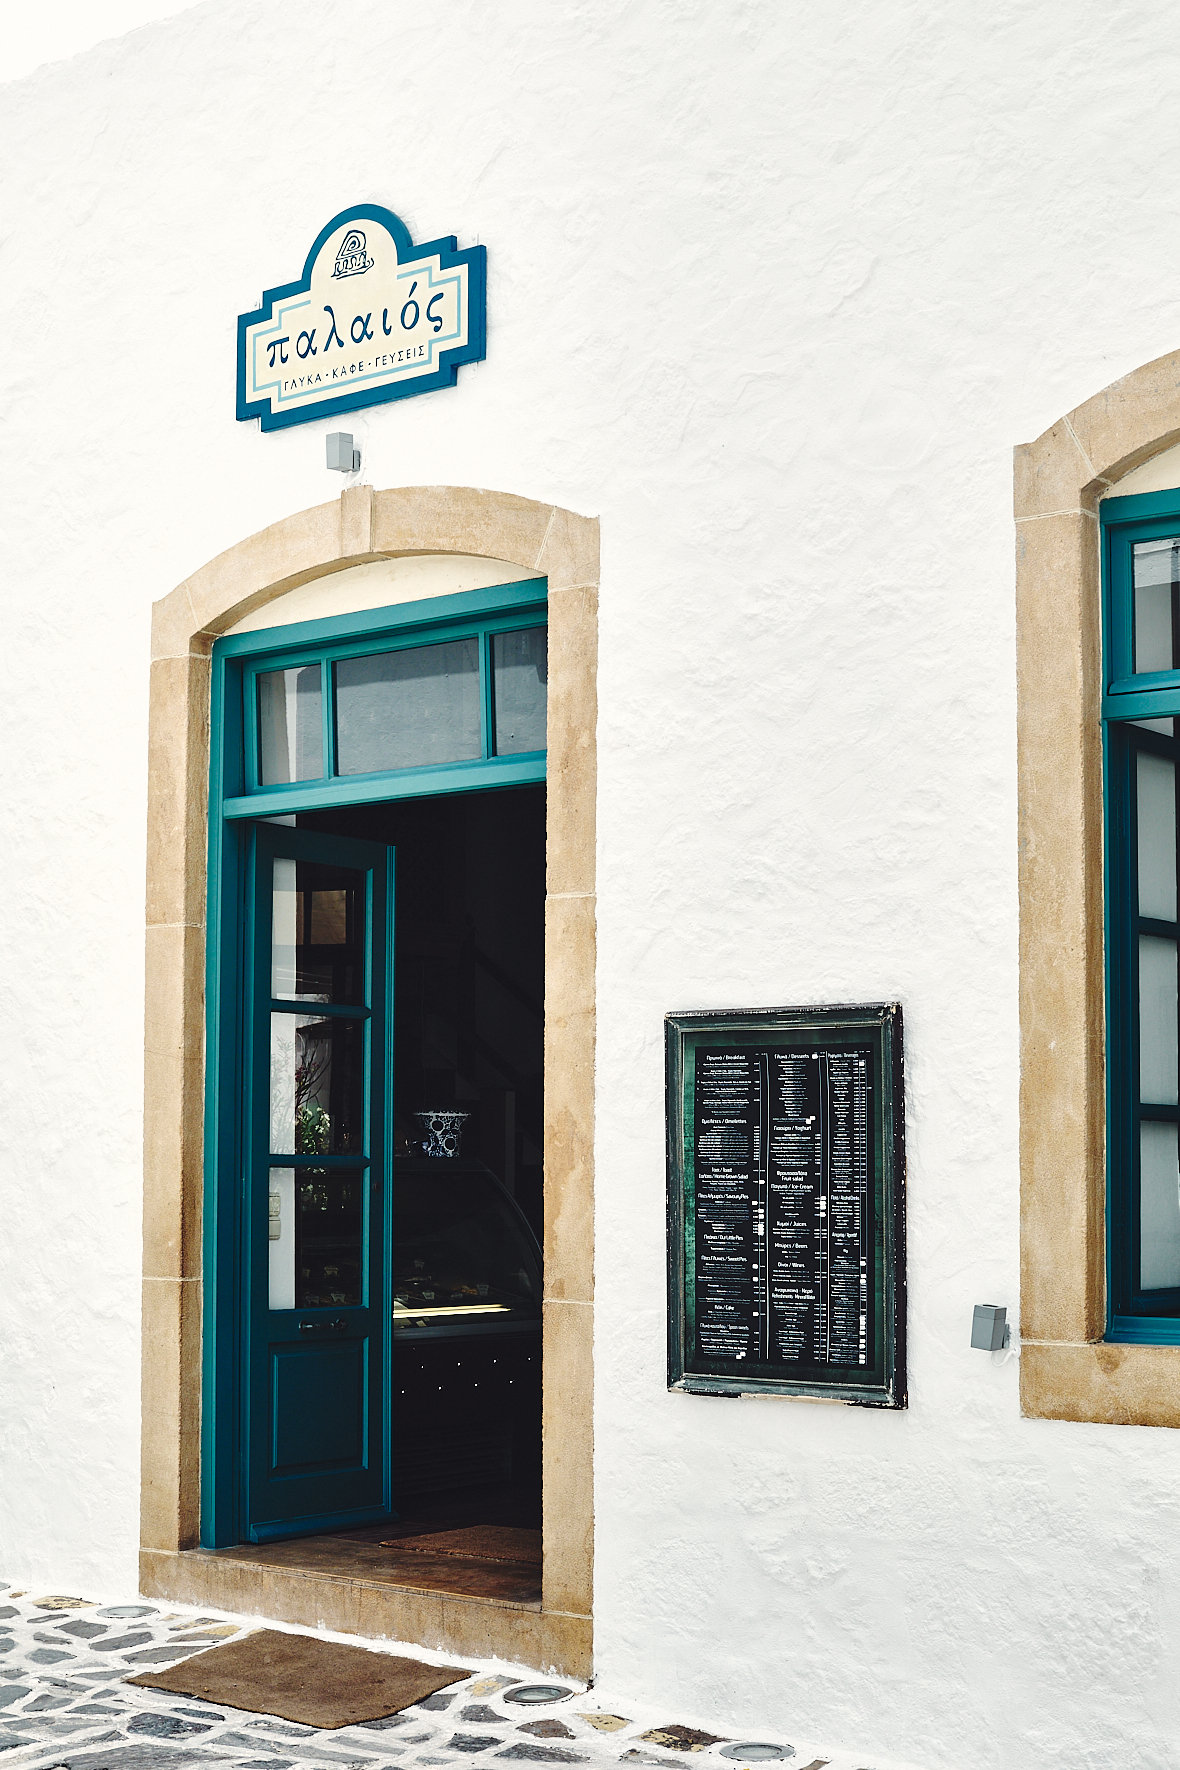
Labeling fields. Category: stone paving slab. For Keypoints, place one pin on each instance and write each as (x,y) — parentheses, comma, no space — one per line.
(64,1706)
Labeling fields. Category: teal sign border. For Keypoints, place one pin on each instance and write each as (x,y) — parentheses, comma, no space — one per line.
(474,351)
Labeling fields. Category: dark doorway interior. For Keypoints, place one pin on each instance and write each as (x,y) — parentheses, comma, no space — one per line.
(468,1016)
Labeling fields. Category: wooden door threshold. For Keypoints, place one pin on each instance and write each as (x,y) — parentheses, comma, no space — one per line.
(343,1555)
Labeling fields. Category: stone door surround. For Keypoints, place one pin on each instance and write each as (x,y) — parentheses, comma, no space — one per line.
(1067,1370)
(362,526)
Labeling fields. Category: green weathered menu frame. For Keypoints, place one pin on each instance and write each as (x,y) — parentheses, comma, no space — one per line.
(803,1236)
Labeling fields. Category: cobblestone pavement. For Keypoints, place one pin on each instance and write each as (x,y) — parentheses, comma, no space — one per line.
(63,1703)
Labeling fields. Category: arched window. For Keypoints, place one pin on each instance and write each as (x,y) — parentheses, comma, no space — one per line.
(1098,692)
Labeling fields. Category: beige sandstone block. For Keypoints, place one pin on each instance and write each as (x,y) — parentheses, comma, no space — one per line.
(569,554)
(569,956)
(567,1646)
(252,573)
(1132,419)
(571,765)
(170,1448)
(356,523)
(173,625)
(568,1453)
(484,1629)
(1059,767)
(174,990)
(569,1097)
(459,519)
(178,789)
(173,1143)
(1115,1385)
(387,1615)
(1049,474)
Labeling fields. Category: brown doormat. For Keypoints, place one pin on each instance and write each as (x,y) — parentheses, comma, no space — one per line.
(479,1542)
(321,1683)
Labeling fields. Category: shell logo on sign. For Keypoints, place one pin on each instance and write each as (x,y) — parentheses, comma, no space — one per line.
(352,259)
(372,318)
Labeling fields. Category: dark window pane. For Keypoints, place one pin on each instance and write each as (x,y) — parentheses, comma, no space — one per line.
(520,666)
(328,1232)
(408,709)
(317,933)
(317,1073)
(290,726)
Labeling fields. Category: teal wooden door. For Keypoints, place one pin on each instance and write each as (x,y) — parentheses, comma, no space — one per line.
(318,1110)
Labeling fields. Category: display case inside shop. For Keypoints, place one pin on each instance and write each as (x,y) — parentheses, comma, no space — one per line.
(464,1258)
(466,1334)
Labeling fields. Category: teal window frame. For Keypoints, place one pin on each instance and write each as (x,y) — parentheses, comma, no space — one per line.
(1134,1317)
(235,800)
(505,609)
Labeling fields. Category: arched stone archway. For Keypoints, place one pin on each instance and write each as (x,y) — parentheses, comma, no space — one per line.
(362,526)
(1067,1370)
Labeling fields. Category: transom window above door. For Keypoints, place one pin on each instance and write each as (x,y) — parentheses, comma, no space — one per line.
(458,700)
(394,711)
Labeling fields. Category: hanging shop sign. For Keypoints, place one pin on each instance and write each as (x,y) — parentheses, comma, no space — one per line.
(372,318)
(786,1203)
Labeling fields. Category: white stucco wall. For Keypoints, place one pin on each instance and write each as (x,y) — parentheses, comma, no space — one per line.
(773,289)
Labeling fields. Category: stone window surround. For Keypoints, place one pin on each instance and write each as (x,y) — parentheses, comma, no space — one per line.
(362,526)
(1067,1371)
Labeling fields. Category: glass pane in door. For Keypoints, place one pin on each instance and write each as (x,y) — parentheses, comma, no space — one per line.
(281,1243)
(317,933)
(317,1075)
(328,1231)
(316,1240)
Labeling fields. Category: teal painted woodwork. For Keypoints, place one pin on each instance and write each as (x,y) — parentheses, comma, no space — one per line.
(248,1373)
(1142,815)
(410,783)
(317,1387)
(318,1412)
(464,611)
(322,646)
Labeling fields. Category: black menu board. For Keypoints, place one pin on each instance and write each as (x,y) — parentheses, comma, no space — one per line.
(786,1202)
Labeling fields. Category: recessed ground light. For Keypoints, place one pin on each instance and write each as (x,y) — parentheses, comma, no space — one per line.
(128,1610)
(530,1693)
(755,1751)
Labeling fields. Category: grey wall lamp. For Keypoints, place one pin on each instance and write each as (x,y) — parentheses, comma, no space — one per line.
(989,1327)
(343,457)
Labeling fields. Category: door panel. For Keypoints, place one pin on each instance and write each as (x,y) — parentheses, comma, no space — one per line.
(318,1097)
(318,1407)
